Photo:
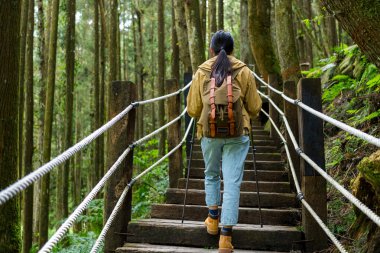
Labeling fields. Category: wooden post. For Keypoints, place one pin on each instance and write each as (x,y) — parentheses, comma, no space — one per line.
(120,136)
(174,134)
(290,110)
(312,143)
(273,81)
(187,78)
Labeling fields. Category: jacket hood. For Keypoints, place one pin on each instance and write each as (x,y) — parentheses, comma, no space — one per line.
(236,64)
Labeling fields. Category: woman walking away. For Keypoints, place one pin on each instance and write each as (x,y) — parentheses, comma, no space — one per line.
(223,97)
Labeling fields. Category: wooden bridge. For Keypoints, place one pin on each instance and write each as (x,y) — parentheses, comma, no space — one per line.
(286,166)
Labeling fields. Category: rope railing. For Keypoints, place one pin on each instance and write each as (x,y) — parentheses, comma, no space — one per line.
(119,203)
(368,212)
(62,230)
(300,195)
(364,136)
(20,185)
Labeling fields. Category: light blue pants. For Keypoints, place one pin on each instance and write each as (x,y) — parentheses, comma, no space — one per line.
(232,152)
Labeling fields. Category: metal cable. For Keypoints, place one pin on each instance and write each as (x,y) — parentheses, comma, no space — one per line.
(370,214)
(300,195)
(364,136)
(29,179)
(71,219)
(119,203)
(20,185)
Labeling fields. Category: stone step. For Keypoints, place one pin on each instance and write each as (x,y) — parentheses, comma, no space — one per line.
(258,156)
(193,233)
(260,165)
(249,175)
(199,184)
(155,248)
(247,199)
(286,217)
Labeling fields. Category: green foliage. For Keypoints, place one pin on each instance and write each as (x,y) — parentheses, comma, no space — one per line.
(343,82)
(151,187)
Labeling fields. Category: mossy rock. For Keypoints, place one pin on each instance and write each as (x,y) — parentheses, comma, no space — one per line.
(369,167)
(359,67)
(346,67)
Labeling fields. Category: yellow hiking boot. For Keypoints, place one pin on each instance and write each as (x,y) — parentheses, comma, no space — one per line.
(212,225)
(225,245)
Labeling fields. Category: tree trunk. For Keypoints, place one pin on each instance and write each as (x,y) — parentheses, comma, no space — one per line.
(112,42)
(175,49)
(10,240)
(361,20)
(220,15)
(97,124)
(288,59)
(211,22)
(24,22)
(27,232)
(196,47)
(308,41)
(140,70)
(260,37)
(181,28)
(48,123)
(41,111)
(245,50)
(103,44)
(62,192)
(161,74)
(203,11)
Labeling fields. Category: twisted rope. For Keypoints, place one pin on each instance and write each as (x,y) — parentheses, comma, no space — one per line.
(364,136)
(20,185)
(370,214)
(58,235)
(119,203)
(300,194)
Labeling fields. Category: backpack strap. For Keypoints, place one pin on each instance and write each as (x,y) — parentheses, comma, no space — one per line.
(231,119)
(212,121)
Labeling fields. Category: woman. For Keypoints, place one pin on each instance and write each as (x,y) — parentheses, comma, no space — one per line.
(232,151)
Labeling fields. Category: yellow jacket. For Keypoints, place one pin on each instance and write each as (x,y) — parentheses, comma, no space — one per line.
(244,79)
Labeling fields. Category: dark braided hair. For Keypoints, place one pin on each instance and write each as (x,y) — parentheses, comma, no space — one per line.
(223,44)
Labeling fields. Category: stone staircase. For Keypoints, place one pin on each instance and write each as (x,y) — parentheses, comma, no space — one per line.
(164,232)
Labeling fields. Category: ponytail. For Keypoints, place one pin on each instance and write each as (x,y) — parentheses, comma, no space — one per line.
(223,44)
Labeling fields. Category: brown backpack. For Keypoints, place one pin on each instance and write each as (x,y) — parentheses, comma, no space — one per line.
(222,109)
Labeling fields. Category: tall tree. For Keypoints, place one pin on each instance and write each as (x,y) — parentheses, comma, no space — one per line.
(181,28)
(260,37)
(220,15)
(103,44)
(24,22)
(196,46)
(77,175)
(175,49)
(361,20)
(9,105)
(245,49)
(161,72)
(27,222)
(203,17)
(140,67)
(96,92)
(308,41)
(62,192)
(113,41)
(48,123)
(289,62)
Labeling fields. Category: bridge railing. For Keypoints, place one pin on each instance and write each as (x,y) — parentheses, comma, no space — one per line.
(12,190)
(293,139)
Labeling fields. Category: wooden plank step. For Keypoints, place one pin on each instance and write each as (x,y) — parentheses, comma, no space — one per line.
(247,199)
(193,233)
(286,217)
(155,248)
(256,142)
(260,165)
(247,186)
(258,156)
(259,149)
(249,175)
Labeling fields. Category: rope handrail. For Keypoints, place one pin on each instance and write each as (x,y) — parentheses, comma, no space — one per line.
(120,201)
(58,235)
(368,212)
(300,195)
(20,185)
(364,136)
